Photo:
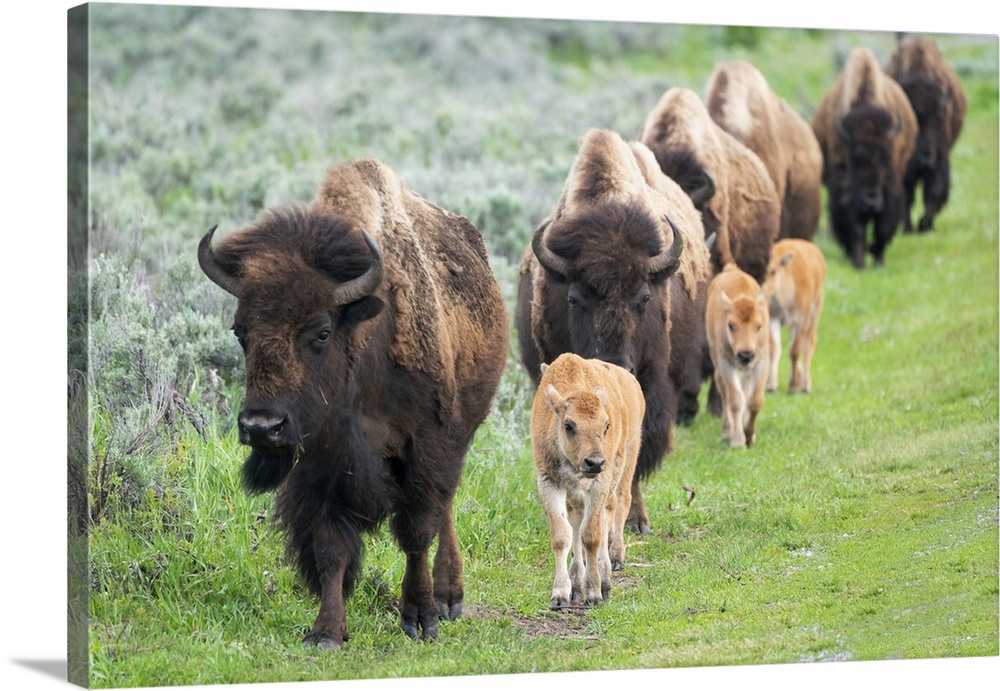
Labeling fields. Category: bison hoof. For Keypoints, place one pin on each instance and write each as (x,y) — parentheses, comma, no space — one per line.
(559,603)
(449,612)
(638,528)
(322,641)
(616,565)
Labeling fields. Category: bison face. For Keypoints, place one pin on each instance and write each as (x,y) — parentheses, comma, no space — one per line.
(582,426)
(746,336)
(868,135)
(299,302)
(610,272)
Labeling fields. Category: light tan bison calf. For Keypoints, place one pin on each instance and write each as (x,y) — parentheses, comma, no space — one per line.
(736,319)
(794,291)
(586,427)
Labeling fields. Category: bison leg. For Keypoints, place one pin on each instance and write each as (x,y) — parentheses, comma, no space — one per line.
(637,520)
(775,349)
(415,528)
(329,631)
(619,518)
(448,587)
(936,188)
(795,355)
(594,540)
(560,538)
(733,409)
(909,195)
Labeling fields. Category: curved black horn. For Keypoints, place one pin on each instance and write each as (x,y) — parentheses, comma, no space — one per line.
(365,284)
(206,259)
(704,193)
(546,257)
(670,259)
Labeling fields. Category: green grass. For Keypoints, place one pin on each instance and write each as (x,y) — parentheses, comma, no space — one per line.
(863,525)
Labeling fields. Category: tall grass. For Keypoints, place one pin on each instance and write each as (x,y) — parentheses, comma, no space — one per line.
(862,526)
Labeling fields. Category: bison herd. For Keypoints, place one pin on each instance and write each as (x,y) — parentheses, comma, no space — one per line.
(375,333)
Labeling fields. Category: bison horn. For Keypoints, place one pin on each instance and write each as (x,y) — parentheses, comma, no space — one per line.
(206,259)
(365,284)
(704,193)
(670,259)
(546,257)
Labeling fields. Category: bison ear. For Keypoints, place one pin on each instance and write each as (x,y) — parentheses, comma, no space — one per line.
(361,310)
(787,259)
(725,300)
(602,396)
(556,401)
(542,367)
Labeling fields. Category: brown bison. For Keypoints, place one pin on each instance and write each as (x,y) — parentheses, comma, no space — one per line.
(938,100)
(594,282)
(736,323)
(740,100)
(867,131)
(375,334)
(794,291)
(586,426)
(726,181)
(688,291)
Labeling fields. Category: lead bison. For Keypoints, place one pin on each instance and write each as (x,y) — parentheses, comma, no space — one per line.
(374,334)
(939,102)
(740,100)
(867,131)
(594,282)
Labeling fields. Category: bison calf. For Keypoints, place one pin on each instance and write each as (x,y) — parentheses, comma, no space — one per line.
(586,427)
(735,317)
(794,291)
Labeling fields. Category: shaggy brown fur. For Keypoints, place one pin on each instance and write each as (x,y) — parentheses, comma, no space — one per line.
(740,100)
(586,427)
(744,211)
(939,102)
(360,407)
(608,228)
(867,130)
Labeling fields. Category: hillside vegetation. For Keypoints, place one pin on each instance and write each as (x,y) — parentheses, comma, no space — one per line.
(862,526)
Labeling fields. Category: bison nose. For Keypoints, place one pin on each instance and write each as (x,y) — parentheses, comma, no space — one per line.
(872,199)
(262,429)
(745,357)
(593,466)
(928,158)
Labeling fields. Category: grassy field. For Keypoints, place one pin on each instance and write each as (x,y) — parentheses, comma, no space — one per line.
(862,526)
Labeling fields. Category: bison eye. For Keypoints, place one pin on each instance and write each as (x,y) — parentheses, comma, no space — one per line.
(323,336)
(572,300)
(646,298)
(569,427)
(607,426)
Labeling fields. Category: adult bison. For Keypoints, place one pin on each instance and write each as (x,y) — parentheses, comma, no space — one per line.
(374,334)
(866,131)
(594,282)
(740,100)
(939,102)
(726,181)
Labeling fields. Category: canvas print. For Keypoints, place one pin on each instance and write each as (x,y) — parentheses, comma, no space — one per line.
(412,345)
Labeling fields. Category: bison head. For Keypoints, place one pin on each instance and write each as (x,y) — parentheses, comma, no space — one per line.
(582,425)
(746,318)
(868,135)
(610,270)
(304,281)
